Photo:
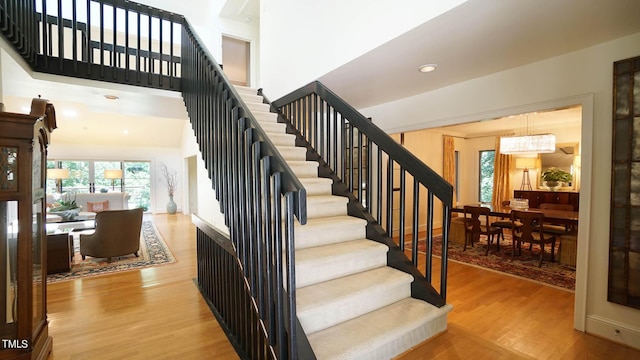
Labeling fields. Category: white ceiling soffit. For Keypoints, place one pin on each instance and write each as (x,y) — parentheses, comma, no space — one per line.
(478,38)
(241,10)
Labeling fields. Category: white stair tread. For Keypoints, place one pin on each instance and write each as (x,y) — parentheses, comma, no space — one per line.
(317,185)
(282,139)
(326,205)
(292,153)
(304,169)
(322,263)
(273,127)
(381,334)
(329,230)
(265,116)
(332,302)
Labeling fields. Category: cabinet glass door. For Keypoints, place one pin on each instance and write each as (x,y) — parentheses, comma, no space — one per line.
(8,263)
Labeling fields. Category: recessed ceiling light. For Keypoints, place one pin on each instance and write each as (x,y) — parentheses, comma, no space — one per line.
(111,97)
(126,132)
(427,68)
(69,113)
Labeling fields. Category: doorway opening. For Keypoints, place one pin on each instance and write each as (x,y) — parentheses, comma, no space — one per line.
(236,59)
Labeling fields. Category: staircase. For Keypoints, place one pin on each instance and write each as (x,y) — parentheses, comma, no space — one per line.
(303,273)
(350,304)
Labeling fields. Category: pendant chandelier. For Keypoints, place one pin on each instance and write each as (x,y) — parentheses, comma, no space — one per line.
(524,144)
(541,143)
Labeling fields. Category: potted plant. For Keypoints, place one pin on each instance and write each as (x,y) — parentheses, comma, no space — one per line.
(66,207)
(554,177)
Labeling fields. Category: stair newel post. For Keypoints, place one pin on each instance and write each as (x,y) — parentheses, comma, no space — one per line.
(429,249)
(257,224)
(445,254)
(267,224)
(249,205)
(291,275)
(415,225)
(277,249)
(402,210)
(389,197)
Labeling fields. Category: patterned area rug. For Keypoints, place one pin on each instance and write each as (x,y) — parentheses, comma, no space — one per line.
(153,252)
(525,265)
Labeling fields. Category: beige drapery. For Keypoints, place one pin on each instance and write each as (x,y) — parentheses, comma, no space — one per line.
(502,188)
(449,169)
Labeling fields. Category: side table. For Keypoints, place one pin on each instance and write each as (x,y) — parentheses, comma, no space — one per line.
(59,251)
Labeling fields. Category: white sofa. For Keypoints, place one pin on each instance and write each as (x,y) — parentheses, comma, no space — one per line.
(117,201)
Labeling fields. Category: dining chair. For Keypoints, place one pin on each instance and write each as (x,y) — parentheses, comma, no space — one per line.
(478,224)
(504,223)
(531,231)
(556,229)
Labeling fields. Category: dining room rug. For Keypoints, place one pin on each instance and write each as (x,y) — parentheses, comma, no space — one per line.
(153,252)
(524,265)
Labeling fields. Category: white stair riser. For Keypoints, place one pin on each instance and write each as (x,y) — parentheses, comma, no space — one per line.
(282,139)
(292,153)
(358,259)
(382,334)
(265,116)
(322,208)
(307,236)
(258,107)
(305,170)
(317,186)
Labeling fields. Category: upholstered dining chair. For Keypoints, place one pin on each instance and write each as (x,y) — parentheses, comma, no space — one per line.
(556,229)
(478,224)
(531,231)
(117,234)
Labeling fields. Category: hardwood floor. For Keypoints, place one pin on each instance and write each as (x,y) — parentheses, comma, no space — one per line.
(158,313)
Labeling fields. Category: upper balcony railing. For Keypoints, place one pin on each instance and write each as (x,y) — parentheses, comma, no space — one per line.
(109,40)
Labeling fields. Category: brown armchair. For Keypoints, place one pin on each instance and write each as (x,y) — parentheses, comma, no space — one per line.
(117,234)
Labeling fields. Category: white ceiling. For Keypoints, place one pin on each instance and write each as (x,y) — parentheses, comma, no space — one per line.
(475,39)
(478,38)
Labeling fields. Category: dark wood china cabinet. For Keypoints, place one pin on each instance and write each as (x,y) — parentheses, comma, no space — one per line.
(23,280)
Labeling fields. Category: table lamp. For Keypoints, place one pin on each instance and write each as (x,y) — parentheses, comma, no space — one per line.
(525,164)
(113,175)
(58,175)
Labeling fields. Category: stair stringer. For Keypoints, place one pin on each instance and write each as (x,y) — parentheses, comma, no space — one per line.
(421,288)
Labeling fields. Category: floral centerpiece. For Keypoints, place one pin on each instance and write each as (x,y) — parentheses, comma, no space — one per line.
(65,206)
(554,177)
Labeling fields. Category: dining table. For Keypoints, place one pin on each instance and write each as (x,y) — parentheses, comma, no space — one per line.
(563,217)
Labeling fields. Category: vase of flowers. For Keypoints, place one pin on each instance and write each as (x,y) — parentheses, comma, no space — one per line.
(171,179)
(554,178)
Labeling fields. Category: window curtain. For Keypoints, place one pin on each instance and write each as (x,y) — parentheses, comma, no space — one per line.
(449,171)
(502,188)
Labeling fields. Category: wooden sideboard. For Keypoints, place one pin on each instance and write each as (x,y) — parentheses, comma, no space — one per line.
(554,197)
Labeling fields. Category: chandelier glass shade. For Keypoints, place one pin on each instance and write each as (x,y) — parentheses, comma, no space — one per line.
(541,143)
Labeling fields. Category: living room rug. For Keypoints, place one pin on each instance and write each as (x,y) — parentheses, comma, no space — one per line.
(153,251)
(524,265)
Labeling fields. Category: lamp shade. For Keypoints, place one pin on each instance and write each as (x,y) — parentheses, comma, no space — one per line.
(113,174)
(542,143)
(57,173)
(525,163)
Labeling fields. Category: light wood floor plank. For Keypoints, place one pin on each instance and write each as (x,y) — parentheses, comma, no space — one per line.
(158,313)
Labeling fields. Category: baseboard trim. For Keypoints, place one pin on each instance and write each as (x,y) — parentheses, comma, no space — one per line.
(613,331)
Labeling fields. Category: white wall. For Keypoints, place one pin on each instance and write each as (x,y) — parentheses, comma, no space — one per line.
(584,74)
(169,156)
(208,207)
(295,32)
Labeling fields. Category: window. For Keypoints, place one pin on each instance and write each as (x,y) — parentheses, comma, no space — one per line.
(85,175)
(486,175)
